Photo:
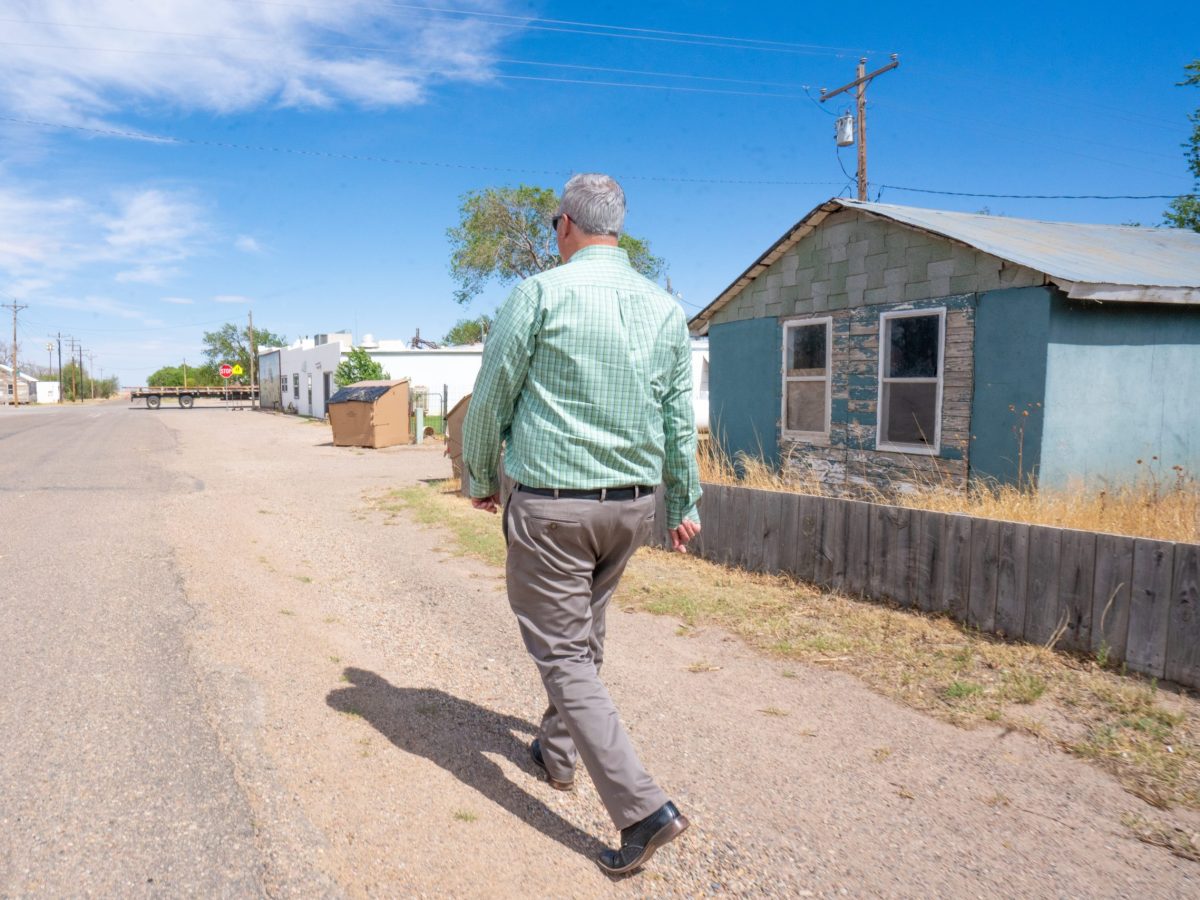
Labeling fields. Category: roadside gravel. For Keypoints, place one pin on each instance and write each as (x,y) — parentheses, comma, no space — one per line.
(375,699)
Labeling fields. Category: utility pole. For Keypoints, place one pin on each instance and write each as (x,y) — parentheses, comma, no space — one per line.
(71,356)
(60,384)
(92,364)
(185,371)
(861,82)
(82,381)
(253,354)
(16,398)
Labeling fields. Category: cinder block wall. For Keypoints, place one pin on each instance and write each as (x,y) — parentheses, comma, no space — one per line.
(852,268)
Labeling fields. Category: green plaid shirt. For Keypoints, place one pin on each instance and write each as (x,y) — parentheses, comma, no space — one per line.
(587,379)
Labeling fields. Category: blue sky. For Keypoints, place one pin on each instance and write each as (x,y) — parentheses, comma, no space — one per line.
(382,115)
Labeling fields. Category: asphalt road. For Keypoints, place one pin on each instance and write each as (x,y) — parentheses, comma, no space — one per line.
(112,779)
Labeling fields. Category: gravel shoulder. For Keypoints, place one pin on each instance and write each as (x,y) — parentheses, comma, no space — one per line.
(375,699)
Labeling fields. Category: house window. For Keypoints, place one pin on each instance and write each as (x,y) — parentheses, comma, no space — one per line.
(806,350)
(282,385)
(911,351)
(296,385)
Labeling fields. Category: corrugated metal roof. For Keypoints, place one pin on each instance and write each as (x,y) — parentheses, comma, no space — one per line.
(1097,262)
(1093,254)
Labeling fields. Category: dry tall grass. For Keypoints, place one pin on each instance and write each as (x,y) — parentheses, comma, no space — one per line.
(1166,509)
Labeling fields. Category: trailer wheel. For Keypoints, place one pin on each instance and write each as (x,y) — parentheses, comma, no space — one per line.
(186,401)
(153,401)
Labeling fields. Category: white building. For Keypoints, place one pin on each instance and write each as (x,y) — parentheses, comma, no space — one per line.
(299,378)
(27,386)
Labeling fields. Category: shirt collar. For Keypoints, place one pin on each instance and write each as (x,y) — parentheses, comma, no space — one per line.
(600,251)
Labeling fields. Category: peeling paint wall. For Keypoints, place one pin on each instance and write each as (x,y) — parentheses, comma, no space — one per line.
(853,259)
(852,268)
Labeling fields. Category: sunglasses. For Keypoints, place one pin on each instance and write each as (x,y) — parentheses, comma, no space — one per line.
(555,220)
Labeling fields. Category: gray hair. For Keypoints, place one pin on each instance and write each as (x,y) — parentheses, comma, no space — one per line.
(595,203)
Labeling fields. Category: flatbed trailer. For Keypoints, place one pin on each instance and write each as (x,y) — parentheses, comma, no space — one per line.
(186,396)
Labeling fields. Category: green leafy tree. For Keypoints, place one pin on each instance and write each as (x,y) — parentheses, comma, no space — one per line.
(358,366)
(504,234)
(191,376)
(468,331)
(1184,211)
(232,344)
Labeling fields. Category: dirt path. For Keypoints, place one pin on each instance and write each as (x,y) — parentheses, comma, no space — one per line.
(376,700)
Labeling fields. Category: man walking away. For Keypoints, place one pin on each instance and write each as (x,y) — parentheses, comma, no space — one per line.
(586,379)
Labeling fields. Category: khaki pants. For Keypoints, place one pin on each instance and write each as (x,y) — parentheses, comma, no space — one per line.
(565,557)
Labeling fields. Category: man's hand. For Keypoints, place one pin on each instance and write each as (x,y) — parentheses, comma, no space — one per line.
(491,504)
(682,533)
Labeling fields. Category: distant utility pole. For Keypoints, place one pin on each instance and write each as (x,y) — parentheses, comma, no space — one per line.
(16,398)
(253,354)
(92,365)
(861,83)
(60,384)
(71,342)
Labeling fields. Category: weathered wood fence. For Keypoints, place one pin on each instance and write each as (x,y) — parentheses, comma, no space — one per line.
(1137,598)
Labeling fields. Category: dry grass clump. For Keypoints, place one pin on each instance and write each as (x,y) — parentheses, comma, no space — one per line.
(1163,509)
(1149,739)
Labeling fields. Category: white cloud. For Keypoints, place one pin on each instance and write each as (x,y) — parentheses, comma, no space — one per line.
(178,301)
(225,56)
(232,298)
(147,275)
(247,244)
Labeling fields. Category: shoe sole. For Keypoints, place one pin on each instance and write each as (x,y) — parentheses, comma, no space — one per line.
(661,838)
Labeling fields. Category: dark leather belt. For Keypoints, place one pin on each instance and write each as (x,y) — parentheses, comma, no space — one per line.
(618,493)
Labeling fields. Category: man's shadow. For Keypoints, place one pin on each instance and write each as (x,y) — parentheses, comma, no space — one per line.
(456,734)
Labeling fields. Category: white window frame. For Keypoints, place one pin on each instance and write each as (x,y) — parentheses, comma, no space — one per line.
(880,409)
(812,437)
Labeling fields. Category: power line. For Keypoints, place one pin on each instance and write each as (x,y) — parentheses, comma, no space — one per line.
(896,187)
(499,75)
(586,29)
(358,48)
(351,157)
(675,179)
(613,31)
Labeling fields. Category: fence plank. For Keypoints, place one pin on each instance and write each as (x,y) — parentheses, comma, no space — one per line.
(928,561)
(737,536)
(1041,597)
(858,546)
(783,552)
(808,537)
(1110,595)
(1183,627)
(985,552)
(772,527)
(751,539)
(659,536)
(956,554)
(831,561)
(1149,606)
(1076,581)
(891,554)
(711,507)
(1012,567)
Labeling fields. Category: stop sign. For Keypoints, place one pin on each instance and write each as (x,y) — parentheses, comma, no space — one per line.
(226,371)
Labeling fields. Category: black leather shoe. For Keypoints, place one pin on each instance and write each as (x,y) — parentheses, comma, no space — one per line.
(535,751)
(640,840)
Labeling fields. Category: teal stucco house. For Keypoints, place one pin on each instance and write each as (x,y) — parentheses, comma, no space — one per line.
(891,346)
